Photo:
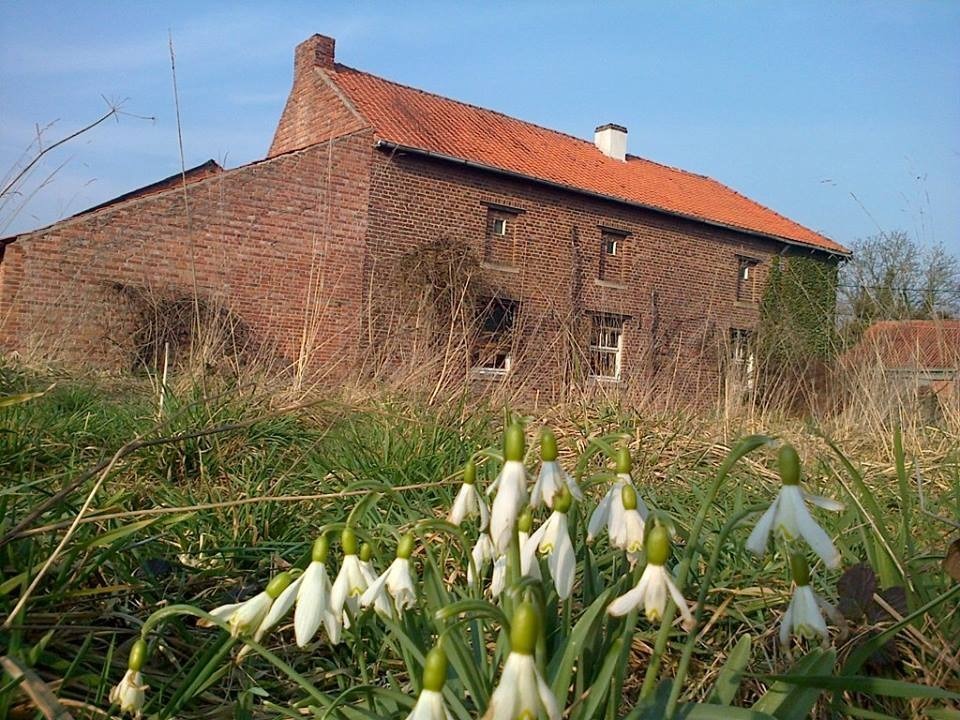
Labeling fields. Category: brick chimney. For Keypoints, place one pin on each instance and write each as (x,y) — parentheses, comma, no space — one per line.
(611,140)
(315,51)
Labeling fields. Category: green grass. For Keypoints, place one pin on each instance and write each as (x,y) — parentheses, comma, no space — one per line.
(215,495)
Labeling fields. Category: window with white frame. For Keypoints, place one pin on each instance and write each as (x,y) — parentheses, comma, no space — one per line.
(606,347)
(491,350)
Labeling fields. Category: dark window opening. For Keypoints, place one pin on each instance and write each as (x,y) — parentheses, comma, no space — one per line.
(491,352)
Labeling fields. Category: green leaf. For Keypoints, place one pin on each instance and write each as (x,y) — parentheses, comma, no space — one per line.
(112,536)
(728,681)
(867,684)
(598,689)
(561,670)
(784,699)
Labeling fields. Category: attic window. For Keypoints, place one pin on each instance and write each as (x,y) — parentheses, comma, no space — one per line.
(500,243)
(500,226)
(610,245)
(611,255)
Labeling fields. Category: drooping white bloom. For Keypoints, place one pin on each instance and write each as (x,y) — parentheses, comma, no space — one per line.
(430,706)
(314,598)
(522,691)
(511,489)
(628,535)
(789,518)
(804,616)
(609,512)
(469,501)
(482,553)
(253,617)
(244,618)
(650,593)
(349,585)
(552,477)
(280,607)
(553,540)
(130,693)
(395,588)
(529,567)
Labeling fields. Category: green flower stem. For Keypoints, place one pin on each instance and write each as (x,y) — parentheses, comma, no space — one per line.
(688,647)
(748,444)
(173,610)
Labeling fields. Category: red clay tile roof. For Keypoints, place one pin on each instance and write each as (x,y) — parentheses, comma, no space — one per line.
(919,344)
(416,119)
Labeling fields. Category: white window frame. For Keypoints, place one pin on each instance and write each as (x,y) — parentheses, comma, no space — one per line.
(502,223)
(603,322)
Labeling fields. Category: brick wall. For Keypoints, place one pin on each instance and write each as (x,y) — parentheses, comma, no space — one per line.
(279,243)
(674,282)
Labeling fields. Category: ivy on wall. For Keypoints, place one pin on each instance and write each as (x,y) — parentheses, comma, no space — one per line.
(797,333)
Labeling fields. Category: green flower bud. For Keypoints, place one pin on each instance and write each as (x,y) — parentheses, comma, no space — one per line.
(470,472)
(405,547)
(789,463)
(514,443)
(629,497)
(320,547)
(138,655)
(562,499)
(278,585)
(658,545)
(800,569)
(525,520)
(366,552)
(525,629)
(623,460)
(435,670)
(348,540)
(548,445)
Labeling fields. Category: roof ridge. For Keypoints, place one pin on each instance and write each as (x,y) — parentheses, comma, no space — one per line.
(471,105)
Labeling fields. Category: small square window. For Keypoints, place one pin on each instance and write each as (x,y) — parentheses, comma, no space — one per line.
(606,347)
(500,226)
(610,246)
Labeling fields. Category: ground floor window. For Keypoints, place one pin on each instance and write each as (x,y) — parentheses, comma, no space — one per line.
(606,347)
(742,357)
(491,350)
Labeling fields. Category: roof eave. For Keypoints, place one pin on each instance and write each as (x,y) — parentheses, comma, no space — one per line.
(397,147)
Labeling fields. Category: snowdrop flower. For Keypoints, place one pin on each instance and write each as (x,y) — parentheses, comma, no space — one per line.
(522,692)
(629,534)
(529,567)
(430,705)
(351,581)
(314,596)
(788,515)
(482,553)
(469,501)
(247,618)
(130,692)
(395,587)
(609,512)
(511,489)
(552,477)
(804,616)
(553,540)
(654,586)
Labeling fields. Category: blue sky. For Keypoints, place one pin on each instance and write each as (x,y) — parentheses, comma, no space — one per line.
(844,116)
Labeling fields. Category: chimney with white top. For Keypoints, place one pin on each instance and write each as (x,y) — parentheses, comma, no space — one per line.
(611,140)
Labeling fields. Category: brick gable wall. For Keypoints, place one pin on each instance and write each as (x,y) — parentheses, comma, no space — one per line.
(674,281)
(279,243)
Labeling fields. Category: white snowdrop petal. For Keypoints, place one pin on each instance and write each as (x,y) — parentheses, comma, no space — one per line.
(760,537)
(824,502)
(656,598)
(280,607)
(817,538)
(600,516)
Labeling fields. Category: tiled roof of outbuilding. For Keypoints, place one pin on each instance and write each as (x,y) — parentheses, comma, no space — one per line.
(419,120)
(909,344)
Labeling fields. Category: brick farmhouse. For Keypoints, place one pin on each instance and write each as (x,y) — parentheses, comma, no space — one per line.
(392,229)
